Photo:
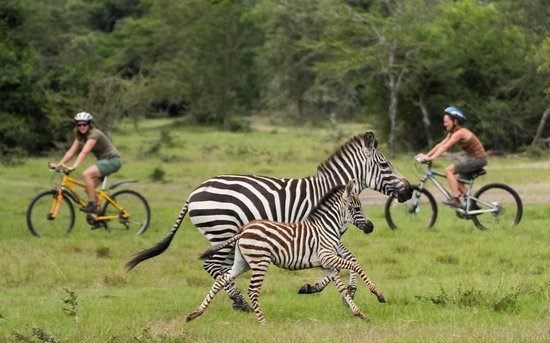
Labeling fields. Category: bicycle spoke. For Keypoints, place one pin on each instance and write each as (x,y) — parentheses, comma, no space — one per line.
(498,206)
(419,211)
(137,209)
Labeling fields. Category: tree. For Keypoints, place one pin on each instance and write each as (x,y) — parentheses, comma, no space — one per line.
(20,91)
(368,45)
(542,58)
(286,57)
(196,54)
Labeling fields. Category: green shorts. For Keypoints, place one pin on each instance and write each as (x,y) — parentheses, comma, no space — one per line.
(109,165)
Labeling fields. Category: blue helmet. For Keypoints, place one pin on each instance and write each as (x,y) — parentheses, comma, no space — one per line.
(456,113)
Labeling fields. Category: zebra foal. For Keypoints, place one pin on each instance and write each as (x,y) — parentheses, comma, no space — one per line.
(310,243)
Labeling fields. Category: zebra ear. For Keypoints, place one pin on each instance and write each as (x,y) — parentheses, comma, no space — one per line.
(349,187)
(370,140)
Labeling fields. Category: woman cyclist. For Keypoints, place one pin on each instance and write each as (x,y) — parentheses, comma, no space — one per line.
(457,134)
(90,139)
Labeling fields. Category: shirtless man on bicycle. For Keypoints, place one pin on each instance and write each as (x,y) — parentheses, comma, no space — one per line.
(457,134)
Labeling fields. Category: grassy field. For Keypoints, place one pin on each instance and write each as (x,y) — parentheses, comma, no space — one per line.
(452,283)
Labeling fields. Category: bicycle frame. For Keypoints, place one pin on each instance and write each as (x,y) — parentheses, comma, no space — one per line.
(432,174)
(67,186)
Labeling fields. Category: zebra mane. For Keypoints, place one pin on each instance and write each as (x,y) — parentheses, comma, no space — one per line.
(356,141)
(322,203)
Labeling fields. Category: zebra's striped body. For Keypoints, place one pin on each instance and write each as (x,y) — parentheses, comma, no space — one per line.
(313,242)
(222,204)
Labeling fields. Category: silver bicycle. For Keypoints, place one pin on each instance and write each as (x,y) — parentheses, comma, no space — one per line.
(494,206)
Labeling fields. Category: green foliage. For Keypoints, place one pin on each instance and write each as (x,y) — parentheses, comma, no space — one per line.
(499,301)
(71,301)
(157,175)
(305,61)
(45,336)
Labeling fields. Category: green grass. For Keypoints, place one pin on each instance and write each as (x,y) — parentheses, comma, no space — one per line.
(452,283)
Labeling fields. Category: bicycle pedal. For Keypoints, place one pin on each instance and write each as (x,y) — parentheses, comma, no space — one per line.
(91,218)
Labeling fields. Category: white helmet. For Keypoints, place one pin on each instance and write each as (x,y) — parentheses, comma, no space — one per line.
(83,116)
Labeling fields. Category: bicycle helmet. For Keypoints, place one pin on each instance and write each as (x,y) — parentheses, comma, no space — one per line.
(83,116)
(456,113)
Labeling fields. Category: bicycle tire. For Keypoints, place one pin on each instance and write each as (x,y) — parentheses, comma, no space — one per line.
(508,202)
(136,205)
(38,215)
(407,214)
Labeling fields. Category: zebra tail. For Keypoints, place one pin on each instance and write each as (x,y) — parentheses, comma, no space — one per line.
(161,246)
(213,249)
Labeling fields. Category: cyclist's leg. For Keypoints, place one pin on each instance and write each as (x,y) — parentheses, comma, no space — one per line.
(468,165)
(452,180)
(91,177)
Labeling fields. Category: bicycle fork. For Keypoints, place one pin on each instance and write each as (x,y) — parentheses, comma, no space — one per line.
(56,203)
(415,201)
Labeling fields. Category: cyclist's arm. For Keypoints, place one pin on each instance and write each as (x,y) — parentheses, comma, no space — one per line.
(434,149)
(70,153)
(90,143)
(444,146)
(428,156)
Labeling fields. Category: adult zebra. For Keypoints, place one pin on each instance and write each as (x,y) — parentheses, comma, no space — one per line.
(312,242)
(221,205)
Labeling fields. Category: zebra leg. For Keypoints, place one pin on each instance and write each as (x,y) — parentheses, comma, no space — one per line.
(239,266)
(216,267)
(332,261)
(221,282)
(374,290)
(319,286)
(344,253)
(259,269)
(335,277)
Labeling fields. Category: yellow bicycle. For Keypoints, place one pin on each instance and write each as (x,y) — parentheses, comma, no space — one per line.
(51,213)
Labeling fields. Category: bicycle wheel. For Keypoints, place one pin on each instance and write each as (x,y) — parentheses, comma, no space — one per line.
(419,210)
(39,220)
(137,207)
(500,207)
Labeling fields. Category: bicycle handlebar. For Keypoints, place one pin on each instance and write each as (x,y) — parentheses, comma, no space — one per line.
(59,169)
(422,161)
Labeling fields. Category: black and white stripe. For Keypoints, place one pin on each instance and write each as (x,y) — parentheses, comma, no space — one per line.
(221,205)
(313,242)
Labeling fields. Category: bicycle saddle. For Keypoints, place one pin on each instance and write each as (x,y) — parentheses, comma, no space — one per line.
(473,175)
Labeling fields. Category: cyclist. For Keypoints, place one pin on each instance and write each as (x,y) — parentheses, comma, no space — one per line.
(90,139)
(457,134)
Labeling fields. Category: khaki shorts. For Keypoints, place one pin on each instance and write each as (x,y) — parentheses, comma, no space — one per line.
(467,165)
(109,165)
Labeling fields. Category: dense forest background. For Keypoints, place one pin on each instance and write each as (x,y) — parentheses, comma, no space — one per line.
(394,64)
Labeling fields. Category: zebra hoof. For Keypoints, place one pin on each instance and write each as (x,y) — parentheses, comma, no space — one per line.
(241,306)
(381,299)
(306,289)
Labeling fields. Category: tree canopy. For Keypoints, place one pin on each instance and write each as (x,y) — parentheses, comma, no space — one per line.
(394,64)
